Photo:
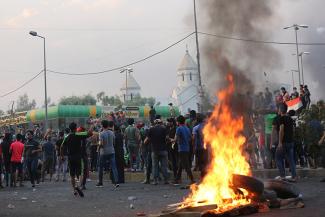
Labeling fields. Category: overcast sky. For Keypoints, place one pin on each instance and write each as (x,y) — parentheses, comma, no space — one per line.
(94,35)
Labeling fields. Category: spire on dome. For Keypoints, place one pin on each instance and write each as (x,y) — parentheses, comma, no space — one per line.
(187,63)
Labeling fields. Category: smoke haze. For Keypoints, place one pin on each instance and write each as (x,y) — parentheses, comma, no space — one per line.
(251,19)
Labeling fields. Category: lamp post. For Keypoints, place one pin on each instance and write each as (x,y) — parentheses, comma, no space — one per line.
(296,28)
(33,33)
(198,59)
(302,66)
(126,70)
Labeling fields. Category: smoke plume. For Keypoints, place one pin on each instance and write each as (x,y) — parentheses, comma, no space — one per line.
(250,19)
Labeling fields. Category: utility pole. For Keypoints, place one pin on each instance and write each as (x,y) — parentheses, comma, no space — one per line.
(198,60)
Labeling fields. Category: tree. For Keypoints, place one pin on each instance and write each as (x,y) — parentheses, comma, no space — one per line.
(141,101)
(100,96)
(23,103)
(1,112)
(87,99)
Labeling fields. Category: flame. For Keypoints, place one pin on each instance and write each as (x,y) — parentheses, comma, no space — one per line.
(222,136)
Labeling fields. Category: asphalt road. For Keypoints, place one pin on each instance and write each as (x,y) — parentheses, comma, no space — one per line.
(56,200)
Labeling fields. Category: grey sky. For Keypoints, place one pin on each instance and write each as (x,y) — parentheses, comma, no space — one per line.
(94,35)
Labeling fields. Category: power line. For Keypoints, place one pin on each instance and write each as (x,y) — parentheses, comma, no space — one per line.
(124,66)
(21,86)
(258,41)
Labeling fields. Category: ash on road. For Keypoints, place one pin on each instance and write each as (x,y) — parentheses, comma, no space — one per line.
(56,200)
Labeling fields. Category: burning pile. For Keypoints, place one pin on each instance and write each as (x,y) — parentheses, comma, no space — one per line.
(222,136)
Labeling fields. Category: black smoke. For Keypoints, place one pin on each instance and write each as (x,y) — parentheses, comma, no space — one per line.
(251,19)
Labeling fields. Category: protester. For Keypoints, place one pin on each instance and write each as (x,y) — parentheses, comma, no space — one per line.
(157,136)
(200,151)
(294,94)
(62,162)
(107,152)
(84,160)
(307,96)
(73,144)
(132,140)
(172,111)
(268,97)
(172,146)
(119,154)
(285,147)
(17,150)
(48,158)
(6,157)
(152,114)
(1,162)
(321,143)
(93,152)
(285,94)
(183,138)
(31,151)
(146,146)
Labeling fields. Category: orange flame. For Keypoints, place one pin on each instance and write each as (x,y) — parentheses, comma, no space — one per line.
(222,136)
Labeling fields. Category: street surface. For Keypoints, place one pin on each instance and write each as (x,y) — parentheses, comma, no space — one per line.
(56,200)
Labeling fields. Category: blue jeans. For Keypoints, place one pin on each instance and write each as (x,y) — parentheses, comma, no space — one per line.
(287,152)
(32,169)
(162,158)
(102,162)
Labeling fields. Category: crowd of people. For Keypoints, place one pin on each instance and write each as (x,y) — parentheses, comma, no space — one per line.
(155,149)
(161,149)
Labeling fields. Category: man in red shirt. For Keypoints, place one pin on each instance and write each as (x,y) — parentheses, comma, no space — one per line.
(17,150)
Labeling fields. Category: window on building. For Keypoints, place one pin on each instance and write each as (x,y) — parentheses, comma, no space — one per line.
(191,76)
(183,77)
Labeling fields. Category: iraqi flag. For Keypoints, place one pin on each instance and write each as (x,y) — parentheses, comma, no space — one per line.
(294,104)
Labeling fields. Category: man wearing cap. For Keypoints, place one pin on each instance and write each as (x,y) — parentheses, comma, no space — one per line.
(73,144)
(157,136)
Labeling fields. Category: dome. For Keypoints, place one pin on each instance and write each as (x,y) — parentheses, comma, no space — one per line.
(187,63)
(131,83)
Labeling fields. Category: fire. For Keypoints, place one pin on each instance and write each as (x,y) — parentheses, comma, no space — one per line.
(223,138)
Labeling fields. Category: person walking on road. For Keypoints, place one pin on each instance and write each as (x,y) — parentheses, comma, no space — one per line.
(61,162)
(31,152)
(73,144)
(17,150)
(183,138)
(107,152)
(48,158)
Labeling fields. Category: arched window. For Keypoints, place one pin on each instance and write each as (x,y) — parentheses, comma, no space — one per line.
(183,77)
(191,76)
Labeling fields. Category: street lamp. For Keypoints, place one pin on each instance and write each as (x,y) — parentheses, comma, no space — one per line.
(302,66)
(126,70)
(292,76)
(33,33)
(296,28)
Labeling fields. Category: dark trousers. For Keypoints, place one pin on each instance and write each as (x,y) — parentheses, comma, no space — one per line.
(32,169)
(93,157)
(85,170)
(148,164)
(184,163)
(202,158)
(286,153)
(173,157)
(6,163)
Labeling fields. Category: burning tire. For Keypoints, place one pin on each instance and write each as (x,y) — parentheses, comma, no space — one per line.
(248,183)
(284,190)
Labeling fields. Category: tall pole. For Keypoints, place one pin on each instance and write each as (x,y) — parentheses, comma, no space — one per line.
(126,85)
(293,79)
(198,59)
(296,29)
(302,70)
(45,86)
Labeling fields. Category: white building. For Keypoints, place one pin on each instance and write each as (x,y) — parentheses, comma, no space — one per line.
(130,89)
(186,94)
